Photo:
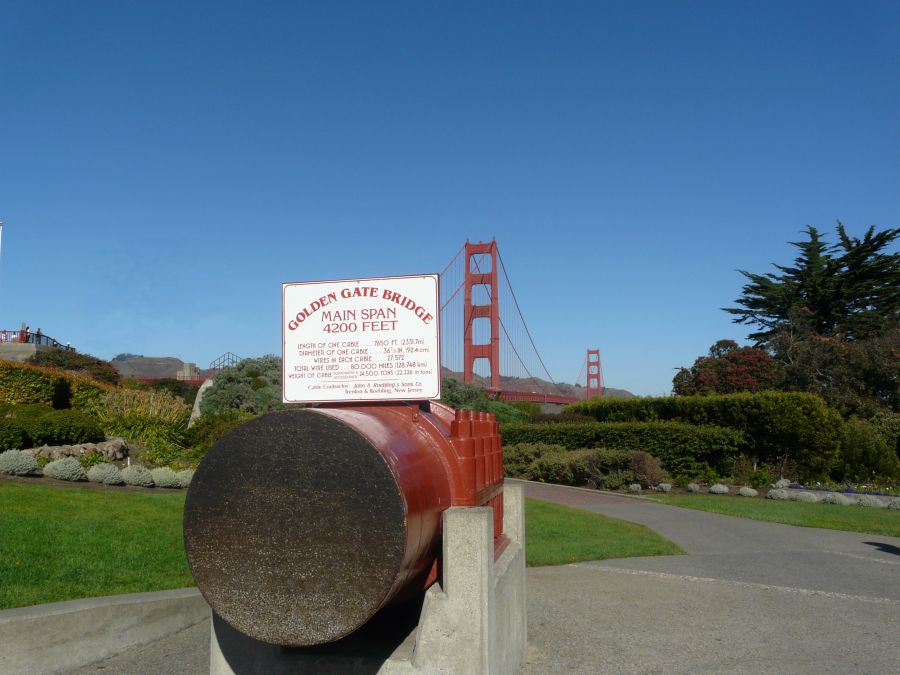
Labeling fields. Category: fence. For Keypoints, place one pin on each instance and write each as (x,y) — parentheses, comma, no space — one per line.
(23,336)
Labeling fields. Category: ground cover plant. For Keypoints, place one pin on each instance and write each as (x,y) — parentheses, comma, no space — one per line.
(61,543)
(828,516)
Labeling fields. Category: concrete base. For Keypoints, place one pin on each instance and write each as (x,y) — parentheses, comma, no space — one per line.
(20,351)
(63,636)
(473,622)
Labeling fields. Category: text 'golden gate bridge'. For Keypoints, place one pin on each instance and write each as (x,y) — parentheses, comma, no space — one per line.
(485,339)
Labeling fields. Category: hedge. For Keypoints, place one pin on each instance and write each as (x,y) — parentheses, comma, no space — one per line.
(775,425)
(680,448)
(23,383)
(32,425)
(32,384)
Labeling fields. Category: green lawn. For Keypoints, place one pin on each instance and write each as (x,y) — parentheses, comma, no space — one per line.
(62,543)
(557,535)
(828,516)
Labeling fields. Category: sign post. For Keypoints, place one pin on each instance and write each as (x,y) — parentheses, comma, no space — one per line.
(372,339)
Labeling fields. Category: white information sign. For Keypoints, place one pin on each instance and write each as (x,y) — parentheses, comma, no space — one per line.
(361,340)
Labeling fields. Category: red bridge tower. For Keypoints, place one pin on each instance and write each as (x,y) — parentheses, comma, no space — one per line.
(488,279)
(594,374)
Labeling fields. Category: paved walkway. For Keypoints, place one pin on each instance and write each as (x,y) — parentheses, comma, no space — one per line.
(747,596)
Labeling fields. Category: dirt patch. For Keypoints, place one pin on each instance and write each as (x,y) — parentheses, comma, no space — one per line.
(83,485)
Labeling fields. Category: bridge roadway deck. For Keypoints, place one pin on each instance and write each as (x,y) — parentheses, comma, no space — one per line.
(747,596)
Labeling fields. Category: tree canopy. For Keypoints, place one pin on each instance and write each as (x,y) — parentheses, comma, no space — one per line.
(828,324)
(850,289)
(728,369)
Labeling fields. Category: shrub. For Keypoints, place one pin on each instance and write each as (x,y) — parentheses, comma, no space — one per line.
(207,429)
(152,418)
(778,493)
(548,463)
(665,487)
(527,407)
(184,478)
(12,435)
(565,467)
(634,487)
(646,469)
(137,475)
(718,489)
(253,385)
(20,383)
(835,498)
(108,474)
(518,458)
(90,459)
(800,496)
(46,426)
(23,383)
(164,477)
(870,502)
(747,492)
(693,487)
(894,504)
(67,468)
(865,454)
(84,364)
(760,478)
(887,424)
(17,463)
(86,393)
(186,391)
(775,425)
(616,479)
(680,448)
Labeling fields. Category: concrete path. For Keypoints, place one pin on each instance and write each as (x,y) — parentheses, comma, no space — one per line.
(747,596)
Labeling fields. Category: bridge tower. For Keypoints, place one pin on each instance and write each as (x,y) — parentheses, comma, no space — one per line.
(594,374)
(488,279)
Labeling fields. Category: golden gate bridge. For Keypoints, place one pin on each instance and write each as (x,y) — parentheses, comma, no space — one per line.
(485,339)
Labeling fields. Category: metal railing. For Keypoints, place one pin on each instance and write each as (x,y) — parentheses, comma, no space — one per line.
(21,336)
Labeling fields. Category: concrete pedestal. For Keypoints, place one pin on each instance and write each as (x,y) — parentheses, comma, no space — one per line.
(472,622)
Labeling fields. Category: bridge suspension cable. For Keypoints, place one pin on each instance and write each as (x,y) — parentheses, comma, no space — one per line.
(469,324)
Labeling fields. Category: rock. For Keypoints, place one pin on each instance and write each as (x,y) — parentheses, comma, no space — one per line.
(112,449)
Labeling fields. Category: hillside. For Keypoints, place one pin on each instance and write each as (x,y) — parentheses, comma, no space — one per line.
(538,385)
(130,365)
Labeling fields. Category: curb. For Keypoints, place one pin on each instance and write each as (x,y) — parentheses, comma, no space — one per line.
(63,636)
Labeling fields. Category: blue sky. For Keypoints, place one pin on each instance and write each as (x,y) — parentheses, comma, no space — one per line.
(165,166)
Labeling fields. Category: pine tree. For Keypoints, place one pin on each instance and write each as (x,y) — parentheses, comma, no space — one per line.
(850,290)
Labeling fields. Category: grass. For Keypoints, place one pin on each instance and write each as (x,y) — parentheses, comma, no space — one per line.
(557,535)
(828,516)
(63,543)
